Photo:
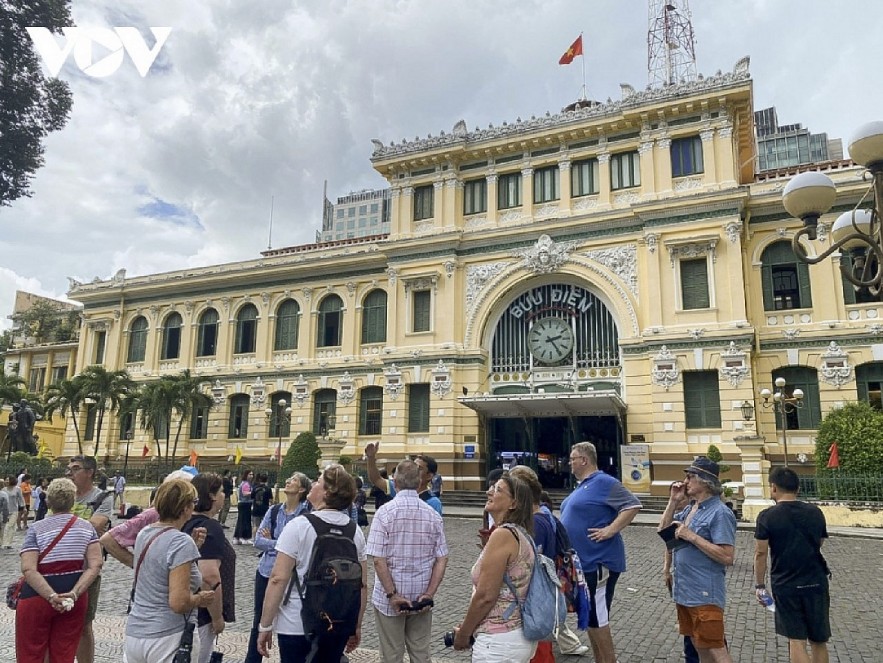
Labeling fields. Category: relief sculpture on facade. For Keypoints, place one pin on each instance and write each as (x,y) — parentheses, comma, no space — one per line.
(622,261)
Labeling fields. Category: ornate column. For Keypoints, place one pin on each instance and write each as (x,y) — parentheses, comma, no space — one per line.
(564,186)
(604,179)
(728,165)
(663,166)
(492,197)
(648,170)
(452,213)
(755,476)
(438,202)
(708,157)
(527,191)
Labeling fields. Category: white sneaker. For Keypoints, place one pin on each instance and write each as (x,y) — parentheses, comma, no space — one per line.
(579,651)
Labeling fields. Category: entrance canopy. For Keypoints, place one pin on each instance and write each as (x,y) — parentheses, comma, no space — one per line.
(603,403)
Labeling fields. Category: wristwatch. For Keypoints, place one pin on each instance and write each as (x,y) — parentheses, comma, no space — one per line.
(389,595)
(760,586)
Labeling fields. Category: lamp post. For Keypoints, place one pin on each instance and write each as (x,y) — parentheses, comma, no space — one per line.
(283,416)
(126,461)
(783,405)
(859,232)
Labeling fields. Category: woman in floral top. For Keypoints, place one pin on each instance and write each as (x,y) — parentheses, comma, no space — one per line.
(493,618)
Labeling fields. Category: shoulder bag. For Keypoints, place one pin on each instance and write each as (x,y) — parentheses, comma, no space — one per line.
(138,565)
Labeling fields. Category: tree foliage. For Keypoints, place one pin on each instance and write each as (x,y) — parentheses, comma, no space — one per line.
(302,456)
(49,321)
(31,106)
(107,389)
(857,428)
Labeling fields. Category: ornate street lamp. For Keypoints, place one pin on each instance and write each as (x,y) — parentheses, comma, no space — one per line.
(747,408)
(128,440)
(859,232)
(783,405)
(283,416)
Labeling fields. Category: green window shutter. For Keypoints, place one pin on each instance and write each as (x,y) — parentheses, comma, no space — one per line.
(374,318)
(418,408)
(422,302)
(694,283)
(803,280)
(701,399)
(766,276)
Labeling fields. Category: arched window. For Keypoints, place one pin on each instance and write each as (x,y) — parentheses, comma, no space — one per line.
(330,314)
(280,426)
(374,317)
(869,380)
(171,337)
(785,279)
(246,329)
(370,411)
(137,340)
(809,416)
(239,416)
(324,410)
(207,334)
(287,320)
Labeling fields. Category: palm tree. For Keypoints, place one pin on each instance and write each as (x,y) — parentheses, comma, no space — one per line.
(106,388)
(64,396)
(12,387)
(157,402)
(189,398)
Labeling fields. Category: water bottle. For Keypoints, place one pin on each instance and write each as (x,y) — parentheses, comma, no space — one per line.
(767,600)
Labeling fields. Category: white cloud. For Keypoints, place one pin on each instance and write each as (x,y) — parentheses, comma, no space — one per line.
(249,101)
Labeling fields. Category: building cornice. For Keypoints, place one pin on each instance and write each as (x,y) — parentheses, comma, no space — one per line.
(461,138)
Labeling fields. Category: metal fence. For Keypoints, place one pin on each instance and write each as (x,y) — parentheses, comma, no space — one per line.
(867,488)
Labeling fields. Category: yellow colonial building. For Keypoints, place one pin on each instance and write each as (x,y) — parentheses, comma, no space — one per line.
(615,272)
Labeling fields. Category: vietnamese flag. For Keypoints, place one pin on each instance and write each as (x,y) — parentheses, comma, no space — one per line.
(834,458)
(145,451)
(193,457)
(576,48)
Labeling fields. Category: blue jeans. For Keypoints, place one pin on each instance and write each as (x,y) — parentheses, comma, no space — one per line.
(260,588)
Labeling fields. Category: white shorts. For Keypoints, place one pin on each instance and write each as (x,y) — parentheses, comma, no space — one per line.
(509,647)
(150,650)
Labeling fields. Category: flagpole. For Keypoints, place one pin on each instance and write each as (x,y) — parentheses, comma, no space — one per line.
(583,56)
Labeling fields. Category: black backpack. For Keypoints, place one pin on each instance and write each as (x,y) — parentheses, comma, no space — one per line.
(331,591)
(261,498)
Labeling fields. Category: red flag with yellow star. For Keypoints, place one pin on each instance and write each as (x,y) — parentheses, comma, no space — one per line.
(576,48)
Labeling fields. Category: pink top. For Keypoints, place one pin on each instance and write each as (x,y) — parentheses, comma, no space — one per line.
(519,571)
(126,533)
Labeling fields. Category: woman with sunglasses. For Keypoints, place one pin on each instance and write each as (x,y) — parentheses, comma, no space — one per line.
(167,579)
(297,487)
(492,625)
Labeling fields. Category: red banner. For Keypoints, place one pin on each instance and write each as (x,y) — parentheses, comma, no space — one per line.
(834,458)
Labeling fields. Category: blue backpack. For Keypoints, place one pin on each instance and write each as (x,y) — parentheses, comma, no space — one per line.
(544,607)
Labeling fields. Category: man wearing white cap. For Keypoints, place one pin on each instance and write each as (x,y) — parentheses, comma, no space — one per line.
(707,528)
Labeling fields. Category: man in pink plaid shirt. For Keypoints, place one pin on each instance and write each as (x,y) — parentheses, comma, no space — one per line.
(407,542)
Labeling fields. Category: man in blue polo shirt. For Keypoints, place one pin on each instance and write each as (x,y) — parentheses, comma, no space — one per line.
(707,528)
(594,514)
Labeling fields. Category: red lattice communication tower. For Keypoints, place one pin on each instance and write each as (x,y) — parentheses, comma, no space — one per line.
(671,48)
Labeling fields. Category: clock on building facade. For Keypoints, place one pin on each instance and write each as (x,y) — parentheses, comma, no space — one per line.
(550,340)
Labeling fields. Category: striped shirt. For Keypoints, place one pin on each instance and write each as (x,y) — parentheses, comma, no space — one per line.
(410,536)
(69,553)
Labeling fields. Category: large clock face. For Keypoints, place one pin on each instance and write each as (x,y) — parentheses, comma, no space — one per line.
(550,340)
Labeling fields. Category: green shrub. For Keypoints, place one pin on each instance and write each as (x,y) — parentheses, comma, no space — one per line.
(302,456)
(857,428)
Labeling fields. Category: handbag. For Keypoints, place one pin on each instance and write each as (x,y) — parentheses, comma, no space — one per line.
(13,591)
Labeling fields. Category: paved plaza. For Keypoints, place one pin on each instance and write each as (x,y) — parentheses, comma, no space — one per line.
(643,618)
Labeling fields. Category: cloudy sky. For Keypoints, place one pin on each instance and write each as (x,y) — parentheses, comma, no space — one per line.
(250,101)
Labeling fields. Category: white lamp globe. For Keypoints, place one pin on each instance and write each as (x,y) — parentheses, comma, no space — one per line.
(809,194)
(866,145)
(843,226)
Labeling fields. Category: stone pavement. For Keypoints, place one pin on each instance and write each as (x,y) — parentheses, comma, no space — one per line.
(643,617)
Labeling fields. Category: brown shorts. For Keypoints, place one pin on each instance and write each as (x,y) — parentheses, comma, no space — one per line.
(704,624)
(94,590)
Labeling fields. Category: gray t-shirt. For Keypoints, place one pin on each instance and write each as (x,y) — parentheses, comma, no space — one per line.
(151,616)
(85,506)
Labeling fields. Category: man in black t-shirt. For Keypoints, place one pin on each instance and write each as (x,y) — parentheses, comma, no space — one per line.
(792,533)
